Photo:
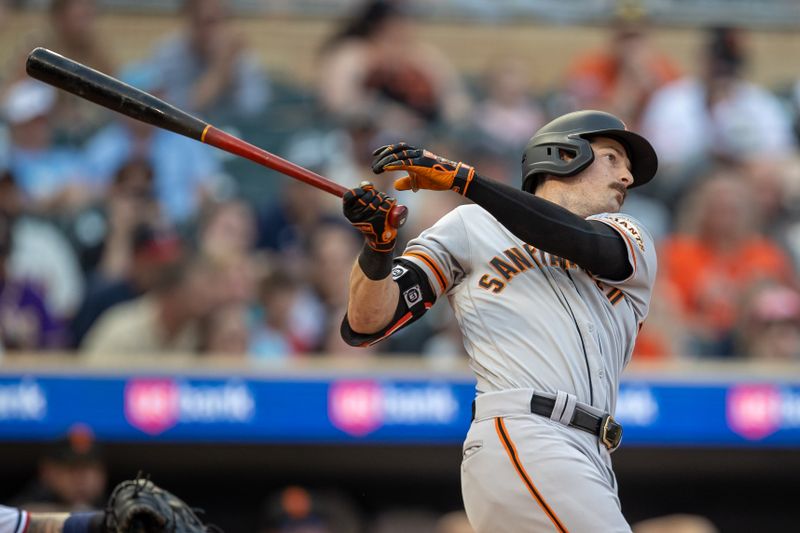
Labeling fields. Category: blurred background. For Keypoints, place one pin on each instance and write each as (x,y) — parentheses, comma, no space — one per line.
(169,308)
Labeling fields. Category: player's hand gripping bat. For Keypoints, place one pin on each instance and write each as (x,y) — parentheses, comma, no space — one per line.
(87,83)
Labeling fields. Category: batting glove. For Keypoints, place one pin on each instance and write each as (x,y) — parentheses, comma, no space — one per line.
(368,211)
(426,170)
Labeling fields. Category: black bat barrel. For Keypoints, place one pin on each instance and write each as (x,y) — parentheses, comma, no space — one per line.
(80,80)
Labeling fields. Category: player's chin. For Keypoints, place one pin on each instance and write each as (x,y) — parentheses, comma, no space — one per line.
(615,203)
(611,206)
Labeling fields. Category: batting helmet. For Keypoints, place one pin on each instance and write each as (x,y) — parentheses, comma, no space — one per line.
(572,132)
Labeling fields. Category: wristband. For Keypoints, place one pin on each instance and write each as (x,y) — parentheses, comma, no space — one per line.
(462,178)
(375,265)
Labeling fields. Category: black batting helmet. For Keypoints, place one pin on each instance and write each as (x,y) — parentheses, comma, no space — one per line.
(572,132)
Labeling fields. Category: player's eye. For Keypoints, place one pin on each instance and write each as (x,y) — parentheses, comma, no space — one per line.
(612,157)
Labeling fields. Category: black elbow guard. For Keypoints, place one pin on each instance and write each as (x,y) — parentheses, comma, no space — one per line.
(416,297)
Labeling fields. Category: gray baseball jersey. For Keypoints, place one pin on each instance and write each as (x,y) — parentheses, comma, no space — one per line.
(13,520)
(532,321)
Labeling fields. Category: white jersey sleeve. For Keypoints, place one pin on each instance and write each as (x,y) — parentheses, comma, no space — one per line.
(13,520)
(442,252)
(638,287)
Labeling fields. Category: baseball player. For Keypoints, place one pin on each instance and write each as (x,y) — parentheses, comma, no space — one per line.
(136,505)
(549,286)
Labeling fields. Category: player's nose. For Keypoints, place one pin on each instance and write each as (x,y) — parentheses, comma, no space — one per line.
(626,178)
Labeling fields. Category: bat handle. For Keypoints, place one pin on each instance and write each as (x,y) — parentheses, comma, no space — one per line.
(398,215)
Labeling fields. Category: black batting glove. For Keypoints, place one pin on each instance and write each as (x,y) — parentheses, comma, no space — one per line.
(368,211)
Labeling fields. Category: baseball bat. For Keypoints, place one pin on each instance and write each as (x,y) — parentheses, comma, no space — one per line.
(89,84)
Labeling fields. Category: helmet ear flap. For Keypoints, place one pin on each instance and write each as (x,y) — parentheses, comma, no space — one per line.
(543,155)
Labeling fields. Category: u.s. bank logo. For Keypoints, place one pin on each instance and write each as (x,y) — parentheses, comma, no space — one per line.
(398,271)
(412,296)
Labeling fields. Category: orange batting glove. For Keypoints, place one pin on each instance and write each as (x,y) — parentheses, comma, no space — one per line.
(426,170)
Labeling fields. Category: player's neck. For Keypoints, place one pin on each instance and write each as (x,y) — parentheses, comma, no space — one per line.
(564,199)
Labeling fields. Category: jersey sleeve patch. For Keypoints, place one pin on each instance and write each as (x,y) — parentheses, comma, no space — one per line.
(628,227)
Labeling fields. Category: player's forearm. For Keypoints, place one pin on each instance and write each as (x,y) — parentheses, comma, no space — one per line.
(372,303)
(47,523)
(548,226)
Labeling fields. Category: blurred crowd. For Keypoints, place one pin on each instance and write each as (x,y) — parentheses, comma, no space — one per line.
(118,239)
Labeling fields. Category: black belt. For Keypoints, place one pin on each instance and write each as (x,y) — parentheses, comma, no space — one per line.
(604,427)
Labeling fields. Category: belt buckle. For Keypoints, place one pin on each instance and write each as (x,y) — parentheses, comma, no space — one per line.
(610,433)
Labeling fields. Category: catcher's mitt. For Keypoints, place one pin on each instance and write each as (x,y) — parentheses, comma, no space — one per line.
(141,506)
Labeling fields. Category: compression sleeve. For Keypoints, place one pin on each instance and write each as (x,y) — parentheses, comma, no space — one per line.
(591,244)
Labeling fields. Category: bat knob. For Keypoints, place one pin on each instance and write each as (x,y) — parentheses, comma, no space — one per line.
(398,215)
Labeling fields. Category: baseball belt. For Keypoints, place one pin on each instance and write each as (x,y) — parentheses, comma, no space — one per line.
(604,427)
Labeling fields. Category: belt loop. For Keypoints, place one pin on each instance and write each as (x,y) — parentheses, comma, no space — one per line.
(564,408)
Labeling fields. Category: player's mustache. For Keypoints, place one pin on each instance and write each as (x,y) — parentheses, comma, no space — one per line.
(621,188)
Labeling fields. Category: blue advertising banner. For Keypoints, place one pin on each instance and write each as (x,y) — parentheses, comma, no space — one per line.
(373,410)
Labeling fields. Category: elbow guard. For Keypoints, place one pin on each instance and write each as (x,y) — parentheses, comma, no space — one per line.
(416,297)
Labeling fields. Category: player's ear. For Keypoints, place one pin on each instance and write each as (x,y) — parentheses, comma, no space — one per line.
(566,155)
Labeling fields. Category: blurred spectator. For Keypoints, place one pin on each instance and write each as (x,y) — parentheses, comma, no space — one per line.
(70,30)
(165,319)
(403,520)
(297,510)
(454,522)
(780,205)
(769,329)
(286,225)
(153,253)
(775,185)
(72,476)
(675,523)
(236,276)
(718,254)
(186,172)
(225,332)
(74,35)
(290,321)
(26,323)
(332,248)
(41,253)
(507,116)
(227,229)
(664,334)
(377,65)
(344,155)
(53,180)
(207,68)
(103,233)
(795,99)
(719,114)
(622,77)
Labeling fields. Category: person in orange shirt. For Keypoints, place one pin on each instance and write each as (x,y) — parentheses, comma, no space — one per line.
(718,254)
(622,76)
